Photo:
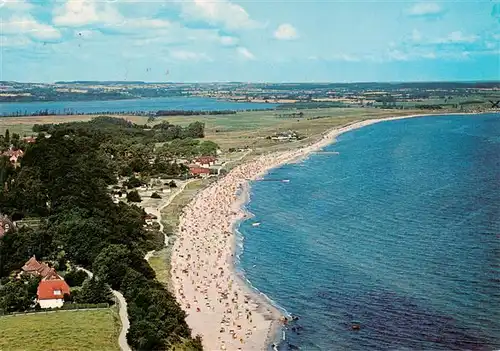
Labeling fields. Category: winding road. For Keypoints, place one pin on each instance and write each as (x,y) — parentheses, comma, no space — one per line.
(122,311)
(157,213)
(122,303)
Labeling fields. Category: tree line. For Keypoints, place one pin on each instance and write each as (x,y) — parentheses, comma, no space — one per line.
(157,113)
(64,181)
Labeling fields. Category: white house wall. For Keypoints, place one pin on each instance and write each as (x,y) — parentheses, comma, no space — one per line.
(52,303)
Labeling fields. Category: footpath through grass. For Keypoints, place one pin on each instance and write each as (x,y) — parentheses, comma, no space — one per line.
(61,330)
(160,261)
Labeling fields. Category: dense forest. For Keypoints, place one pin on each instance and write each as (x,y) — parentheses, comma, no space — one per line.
(63,180)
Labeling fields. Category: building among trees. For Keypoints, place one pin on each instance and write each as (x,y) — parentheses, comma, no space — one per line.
(50,293)
(52,287)
(5,225)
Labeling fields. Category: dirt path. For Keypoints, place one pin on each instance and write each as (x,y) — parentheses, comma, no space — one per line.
(157,213)
(122,311)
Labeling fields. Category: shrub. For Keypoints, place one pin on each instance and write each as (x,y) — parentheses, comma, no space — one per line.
(155,195)
(75,277)
(133,182)
(94,291)
(133,196)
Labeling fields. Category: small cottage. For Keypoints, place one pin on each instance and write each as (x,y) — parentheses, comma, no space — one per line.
(150,218)
(5,225)
(52,287)
(50,293)
(199,172)
(13,155)
(35,268)
(205,161)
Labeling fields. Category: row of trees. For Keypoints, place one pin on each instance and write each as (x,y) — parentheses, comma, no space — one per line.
(193,113)
(159,133)
(8,140)
(129,148)
(64,180)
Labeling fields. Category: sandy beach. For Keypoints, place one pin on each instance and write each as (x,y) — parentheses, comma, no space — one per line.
(219,305)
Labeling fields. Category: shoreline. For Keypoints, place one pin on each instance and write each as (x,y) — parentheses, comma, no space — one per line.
(224,202)
(273,308)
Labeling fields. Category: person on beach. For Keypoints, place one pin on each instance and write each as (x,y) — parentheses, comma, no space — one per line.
(204,253)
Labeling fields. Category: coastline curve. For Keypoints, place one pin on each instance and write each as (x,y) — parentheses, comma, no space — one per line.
(212,217)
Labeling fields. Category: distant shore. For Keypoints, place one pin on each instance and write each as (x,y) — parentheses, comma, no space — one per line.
(206,249)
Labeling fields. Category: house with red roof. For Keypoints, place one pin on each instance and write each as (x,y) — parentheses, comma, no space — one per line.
(35,268)
(199,171)
(50,293)
(13,155)
(52,287)
(205,161)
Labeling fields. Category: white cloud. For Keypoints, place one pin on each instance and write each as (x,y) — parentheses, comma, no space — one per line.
(79,13)
(228,41)
(14,41)
(103,14)
(415,35)
(176,33)
(85,33)
(149,23)
(346,57)
(398,55)
(184,55)
(491,45)
(429,55)
(426,54)
(423,9)
(221,12)
(26,24)
(286,32)
(245,53)
(144,27)
(16,5)
(457,37)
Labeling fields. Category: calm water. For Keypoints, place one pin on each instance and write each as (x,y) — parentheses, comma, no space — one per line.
(400,232)
(153,104)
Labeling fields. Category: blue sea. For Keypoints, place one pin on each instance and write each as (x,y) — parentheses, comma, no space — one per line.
(399,232)
(147,105)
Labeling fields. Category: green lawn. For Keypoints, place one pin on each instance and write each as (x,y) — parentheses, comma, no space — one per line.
(223,128)
(61,330)
(160,261)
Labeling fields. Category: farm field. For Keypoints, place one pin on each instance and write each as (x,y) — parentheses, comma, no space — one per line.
(61,331)
(236,130)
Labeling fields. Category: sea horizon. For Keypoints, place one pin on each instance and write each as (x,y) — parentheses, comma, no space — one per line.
(265,277)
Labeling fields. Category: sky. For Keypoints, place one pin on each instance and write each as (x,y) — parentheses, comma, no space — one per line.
(249,40)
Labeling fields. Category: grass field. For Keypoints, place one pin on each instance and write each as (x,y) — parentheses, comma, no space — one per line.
(235,130)
(160,261)
(250,128)
(61,331)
